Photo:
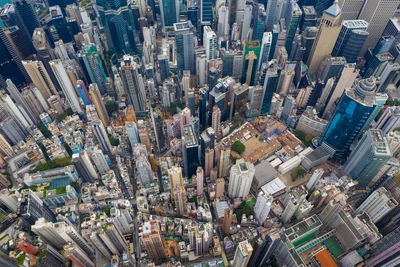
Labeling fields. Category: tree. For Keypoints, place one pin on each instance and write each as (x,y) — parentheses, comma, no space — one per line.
(111,107)
(61,117)
(297,173)
(113,141)
(244,208)
(238,147)
(43,129)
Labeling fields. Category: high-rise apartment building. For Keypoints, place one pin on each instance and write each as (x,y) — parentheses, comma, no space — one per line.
(40,78)
(99,104)
(66,85)
(175,177)
(377,204)
(241,177)
(200,180)
(101,135)
(152,241)
(216,120)
(220,187)
(180,199)
(262,207)
(133,82)
(242,254)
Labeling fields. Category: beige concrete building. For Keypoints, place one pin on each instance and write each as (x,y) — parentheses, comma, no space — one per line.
(330,25)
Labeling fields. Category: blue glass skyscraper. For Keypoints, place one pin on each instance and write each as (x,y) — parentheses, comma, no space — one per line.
(270,85)
(185,46)
(351,39)
(293,18)
(206,11)
(353,113)
(119,23)
(169,10)
(259,23)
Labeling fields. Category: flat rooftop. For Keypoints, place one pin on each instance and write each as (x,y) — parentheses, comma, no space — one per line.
(189,138)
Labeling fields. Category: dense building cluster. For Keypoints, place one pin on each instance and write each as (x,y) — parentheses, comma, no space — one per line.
(199,133)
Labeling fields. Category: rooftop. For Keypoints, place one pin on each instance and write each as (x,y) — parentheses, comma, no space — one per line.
(296,231)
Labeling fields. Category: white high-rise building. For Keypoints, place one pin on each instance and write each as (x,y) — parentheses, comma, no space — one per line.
(144,170)
(317,174)
(241,177)
(242,254)
(262,207)
(66,85)
(223,22)
(18,113)
(210,42)
(389,121)
(378,204)
(59,234)
(265,48)
(132,131)
(100,161)
(246,22)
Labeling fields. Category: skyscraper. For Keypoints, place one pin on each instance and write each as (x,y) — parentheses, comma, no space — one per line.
(293,18)
(226,224)
(99,104)
(242,254)
(84,166)
(206,12)
(377,13)
(216,120)
(5,147)
(262,207)
(270,85)
(66,85)
(153,242)
(250,63)
(200,180)
(220,187)
(119,25)
(180,199)
(40,77)
(325,40)
(185,46)
(370,154)
(379,203)
(95,68)
(190,148)
(241,177)
(10,17)
(101,134)
(27,15)
(353,113)
(210,42)
(169,10)
(265,48)
(259,23)
(10,64)
(133,82)
(351,29)
(389,121)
